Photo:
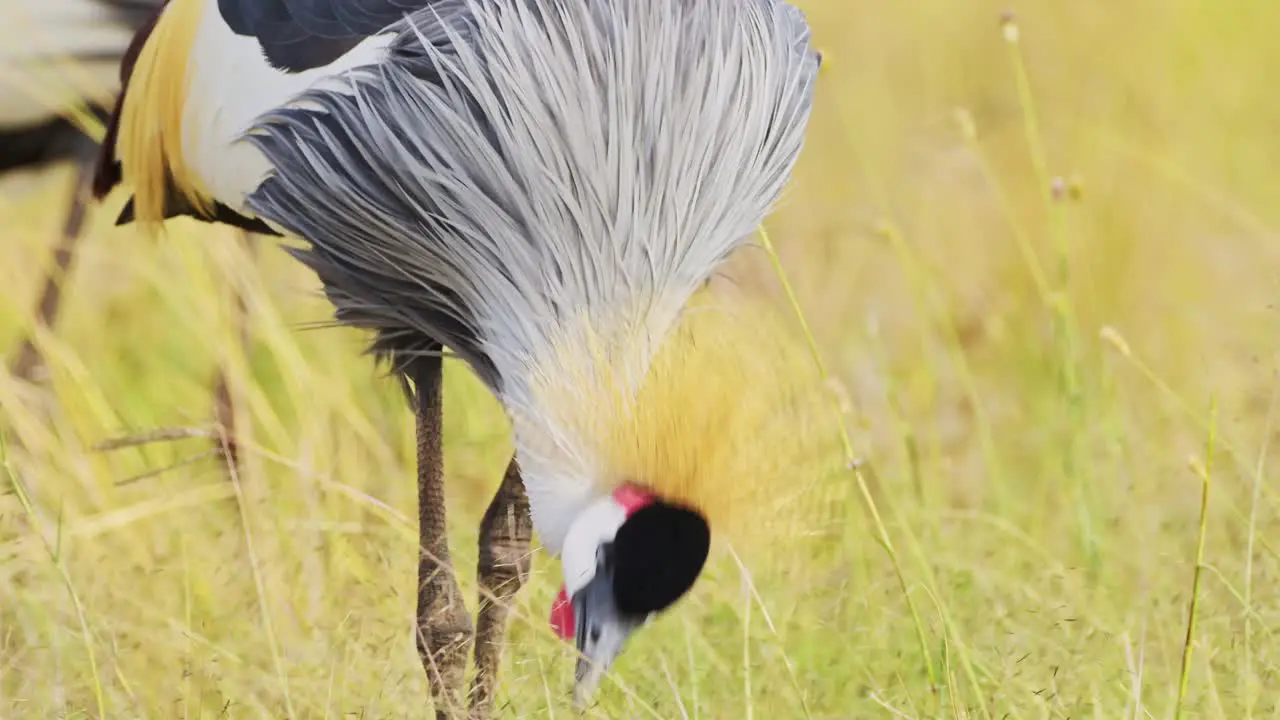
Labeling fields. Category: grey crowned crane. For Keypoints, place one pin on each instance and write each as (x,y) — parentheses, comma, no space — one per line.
(542,187)
(59,57)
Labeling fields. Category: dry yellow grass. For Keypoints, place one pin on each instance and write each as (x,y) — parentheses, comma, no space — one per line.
(1034,257)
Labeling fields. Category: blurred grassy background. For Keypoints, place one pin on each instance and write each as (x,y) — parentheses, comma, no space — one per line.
(1035,256)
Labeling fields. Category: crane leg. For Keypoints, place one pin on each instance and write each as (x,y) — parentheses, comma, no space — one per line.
(506,534)
(28,362)
(444,625)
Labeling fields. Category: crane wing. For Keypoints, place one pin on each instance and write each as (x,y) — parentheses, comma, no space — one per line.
(201,71)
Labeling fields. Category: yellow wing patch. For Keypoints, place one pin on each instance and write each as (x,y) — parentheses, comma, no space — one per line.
(151,118)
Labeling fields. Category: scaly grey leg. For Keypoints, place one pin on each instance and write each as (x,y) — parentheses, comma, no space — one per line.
(506,534)
(444,625)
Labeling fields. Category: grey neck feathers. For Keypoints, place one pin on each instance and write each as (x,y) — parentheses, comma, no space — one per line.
(515,174)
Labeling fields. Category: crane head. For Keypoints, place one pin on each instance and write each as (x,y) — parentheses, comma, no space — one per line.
(626,557)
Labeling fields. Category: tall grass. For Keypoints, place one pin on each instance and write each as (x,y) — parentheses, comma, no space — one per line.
(1035,248)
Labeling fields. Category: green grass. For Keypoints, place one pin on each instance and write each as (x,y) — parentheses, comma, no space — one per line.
(1042,276)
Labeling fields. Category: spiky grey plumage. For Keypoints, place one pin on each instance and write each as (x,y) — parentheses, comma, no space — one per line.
(513,164)
(521,176)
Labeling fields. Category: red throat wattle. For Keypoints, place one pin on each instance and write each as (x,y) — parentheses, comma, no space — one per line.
(631,498)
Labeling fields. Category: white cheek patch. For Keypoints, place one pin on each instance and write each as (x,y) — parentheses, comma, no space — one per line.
(596,525)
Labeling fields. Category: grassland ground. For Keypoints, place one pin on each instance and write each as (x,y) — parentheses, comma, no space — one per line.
(1039,256)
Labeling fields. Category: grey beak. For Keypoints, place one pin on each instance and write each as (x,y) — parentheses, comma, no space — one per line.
(601,633)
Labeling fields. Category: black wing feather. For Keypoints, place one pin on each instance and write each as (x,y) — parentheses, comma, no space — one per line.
(298,35)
